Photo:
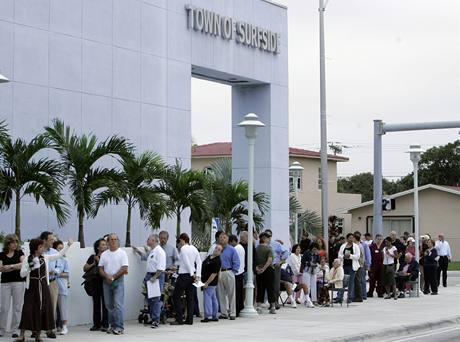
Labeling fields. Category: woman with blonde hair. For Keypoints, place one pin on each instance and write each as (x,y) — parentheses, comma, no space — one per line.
(12,285)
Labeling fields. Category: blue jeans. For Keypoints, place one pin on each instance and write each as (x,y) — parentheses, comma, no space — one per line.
(211,304)
(351,283)
(114,295)
(155,303)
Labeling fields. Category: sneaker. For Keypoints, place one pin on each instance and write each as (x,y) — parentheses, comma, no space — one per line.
(155,325)
(401,295)
(232,318)
(294,305)
(104,329)
(94,328)
(109,331)
(51,334)
(387,296)
(15,334)
(310,305)
(64,331)
(272,310)
(118,332)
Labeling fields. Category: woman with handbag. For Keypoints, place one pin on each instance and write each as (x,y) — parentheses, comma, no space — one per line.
(100,314)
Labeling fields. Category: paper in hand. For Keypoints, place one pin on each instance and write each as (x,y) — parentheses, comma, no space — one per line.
(198,284)
(153,289)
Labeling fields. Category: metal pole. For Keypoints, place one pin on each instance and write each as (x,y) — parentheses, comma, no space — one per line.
(296,218)
(377,227)
(249,310)
(324,167)
(417,220)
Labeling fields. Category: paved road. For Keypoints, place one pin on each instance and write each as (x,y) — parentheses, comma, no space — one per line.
(441,335)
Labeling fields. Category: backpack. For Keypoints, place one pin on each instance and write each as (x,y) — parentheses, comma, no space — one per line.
(91,277)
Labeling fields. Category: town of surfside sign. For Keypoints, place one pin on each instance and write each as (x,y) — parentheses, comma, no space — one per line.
(211,23)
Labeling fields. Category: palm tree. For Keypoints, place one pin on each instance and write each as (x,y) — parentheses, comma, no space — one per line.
(3,131)
(227,200)
(183,189)
(23,173)
(80,155)
(135,187)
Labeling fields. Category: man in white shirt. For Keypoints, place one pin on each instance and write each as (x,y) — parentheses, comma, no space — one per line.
(390,253)
(443,249)
(239,276)
(155,271)
(113,265)
(189,273)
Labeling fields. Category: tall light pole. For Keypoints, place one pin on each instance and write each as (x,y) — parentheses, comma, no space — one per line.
(295,171)
(324,168)
(250,123)
(3,79)
(415,151)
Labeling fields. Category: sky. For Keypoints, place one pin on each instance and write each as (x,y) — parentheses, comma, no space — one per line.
(393,60)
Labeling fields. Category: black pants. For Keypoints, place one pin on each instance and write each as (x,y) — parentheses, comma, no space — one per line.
(401,282)
(265,283)
(276,282)
(184,283)
(100,314)
(443,263)
(430,278)
(239,293)
(358,285)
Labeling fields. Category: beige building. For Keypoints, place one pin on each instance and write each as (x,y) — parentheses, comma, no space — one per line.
(438,206)
(309,187)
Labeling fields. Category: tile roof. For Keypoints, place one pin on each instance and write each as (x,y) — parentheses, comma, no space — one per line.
(225,149)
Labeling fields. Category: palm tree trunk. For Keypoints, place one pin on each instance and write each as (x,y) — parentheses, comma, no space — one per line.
(81,235)
(177,223)
(17,230)
(128,227)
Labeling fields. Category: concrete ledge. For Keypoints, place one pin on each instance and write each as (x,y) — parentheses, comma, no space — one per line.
(404,330)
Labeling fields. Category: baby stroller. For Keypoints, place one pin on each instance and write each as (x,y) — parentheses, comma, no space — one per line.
(323,291)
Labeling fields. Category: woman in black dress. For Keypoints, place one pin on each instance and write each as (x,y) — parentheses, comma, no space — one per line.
(37,311)
(100,315)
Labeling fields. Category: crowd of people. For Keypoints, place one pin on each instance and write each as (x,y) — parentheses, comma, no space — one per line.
(36,286)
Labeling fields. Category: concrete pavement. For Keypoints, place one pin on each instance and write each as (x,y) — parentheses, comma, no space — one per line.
(374,319)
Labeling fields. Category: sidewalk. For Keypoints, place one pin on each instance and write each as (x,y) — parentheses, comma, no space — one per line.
(301,324)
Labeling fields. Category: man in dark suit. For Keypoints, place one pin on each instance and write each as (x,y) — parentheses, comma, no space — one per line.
(408,271)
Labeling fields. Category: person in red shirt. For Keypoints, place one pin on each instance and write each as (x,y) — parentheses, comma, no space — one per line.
(376,271)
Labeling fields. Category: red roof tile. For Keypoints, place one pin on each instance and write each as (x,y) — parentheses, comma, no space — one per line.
(225,149)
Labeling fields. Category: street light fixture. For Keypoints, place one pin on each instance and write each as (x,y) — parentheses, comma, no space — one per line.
(295,171)
(250,123)
(415,151)
(3,79)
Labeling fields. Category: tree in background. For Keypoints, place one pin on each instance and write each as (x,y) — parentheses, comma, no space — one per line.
(135,187)
(80,156)
(438,165)
(183,188)
(24,173)
(227,199)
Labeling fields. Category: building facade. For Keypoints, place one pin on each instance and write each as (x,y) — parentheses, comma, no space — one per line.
(125,67)
(309,186)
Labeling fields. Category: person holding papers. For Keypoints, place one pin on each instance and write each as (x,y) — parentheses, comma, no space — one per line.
(189,273)
(154,277)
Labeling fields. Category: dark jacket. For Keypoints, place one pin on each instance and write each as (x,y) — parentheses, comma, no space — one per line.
(413,269)
(430,258)
(308,262)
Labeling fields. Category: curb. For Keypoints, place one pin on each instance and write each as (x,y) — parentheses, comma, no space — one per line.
(404,330)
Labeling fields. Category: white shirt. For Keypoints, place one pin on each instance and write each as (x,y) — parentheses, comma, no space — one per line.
(389,259)
(294,262)
(156,261)
(241,255)
(188,258)
(443,248)
(112,262)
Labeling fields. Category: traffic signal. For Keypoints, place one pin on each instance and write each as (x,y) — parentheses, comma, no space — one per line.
(388,204)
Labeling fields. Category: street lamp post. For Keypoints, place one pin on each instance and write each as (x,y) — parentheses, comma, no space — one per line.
(415,152)
(295,171)
(250,123)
